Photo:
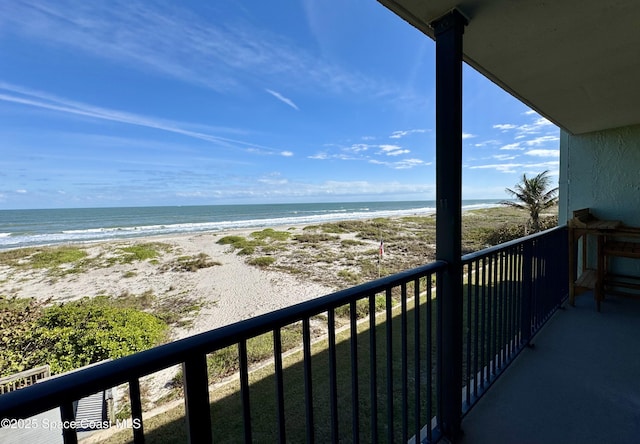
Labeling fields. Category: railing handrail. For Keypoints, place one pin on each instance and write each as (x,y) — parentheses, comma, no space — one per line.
(496,248)
(50,394)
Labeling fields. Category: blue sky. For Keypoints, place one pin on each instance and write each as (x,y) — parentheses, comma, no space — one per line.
(109,103)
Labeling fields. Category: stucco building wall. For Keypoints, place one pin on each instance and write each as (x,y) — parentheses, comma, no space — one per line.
(601,171)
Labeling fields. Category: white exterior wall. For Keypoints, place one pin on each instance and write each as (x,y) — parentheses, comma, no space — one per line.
(601,171)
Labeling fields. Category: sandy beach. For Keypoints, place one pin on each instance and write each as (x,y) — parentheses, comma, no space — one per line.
(229,292)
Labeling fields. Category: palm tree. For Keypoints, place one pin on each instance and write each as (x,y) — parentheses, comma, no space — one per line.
(533,195)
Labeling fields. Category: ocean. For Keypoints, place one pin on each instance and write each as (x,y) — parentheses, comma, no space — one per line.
(25,228)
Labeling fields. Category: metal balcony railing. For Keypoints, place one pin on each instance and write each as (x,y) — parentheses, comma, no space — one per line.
(377,377)
(510,291)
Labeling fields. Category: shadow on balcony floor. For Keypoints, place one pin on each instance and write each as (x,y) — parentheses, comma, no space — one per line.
(579,384)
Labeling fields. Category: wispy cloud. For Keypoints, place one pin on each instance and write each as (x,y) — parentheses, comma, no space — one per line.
(403,164)
(514,167)
(392,150)
(170,41)
(543,153)
(401,134)
(283,99)
(505,126)
(37,99)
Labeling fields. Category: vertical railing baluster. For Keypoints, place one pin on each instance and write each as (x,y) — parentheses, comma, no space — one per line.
(373,370)
(279,380)
(416,359)
(333,384)
(196,399)
(68,415)
(136,411)
(494,314)
(355,377)
(490,317)
(404,363)
(476,316)
(430,354)
(527,294)
(497,284)
(438,384)
(389,335)
(509,303)
(244,389)
(308,383)
(468,328)
(485,362)
(501,294)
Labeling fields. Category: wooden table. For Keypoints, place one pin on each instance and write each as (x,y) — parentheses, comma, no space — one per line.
(581,227)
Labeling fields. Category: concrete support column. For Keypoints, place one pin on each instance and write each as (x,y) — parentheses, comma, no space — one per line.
(448,32)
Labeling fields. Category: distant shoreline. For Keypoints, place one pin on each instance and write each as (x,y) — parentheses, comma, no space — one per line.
(30,228)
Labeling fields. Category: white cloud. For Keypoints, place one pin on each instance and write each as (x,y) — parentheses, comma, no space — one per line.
(512,147)
(505,126)
(286,153)
(392,150)
(468,136)
(174,42)
(37,99)
(487,143)
(401,134)
(358,147)
(403,164)
(21,191)
(283,99)
(542,140)
(503,157)
(543,153)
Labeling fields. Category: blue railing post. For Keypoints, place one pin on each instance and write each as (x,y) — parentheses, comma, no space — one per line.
(196,399)
(527,290)
(448,32)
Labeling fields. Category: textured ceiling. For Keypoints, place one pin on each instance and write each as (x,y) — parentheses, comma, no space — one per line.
(575,62)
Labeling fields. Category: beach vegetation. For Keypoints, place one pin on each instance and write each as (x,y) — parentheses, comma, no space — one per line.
(510,231)
(350,277)
(129,274)
(72,334)
(50,258)
(190,263)
(314,238)
(245,246)
(141,252)
(76,333)
(533,195)
(351,243)
(262,261)
(270,233)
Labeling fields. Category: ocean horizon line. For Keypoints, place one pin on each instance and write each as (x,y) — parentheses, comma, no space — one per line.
(39,227)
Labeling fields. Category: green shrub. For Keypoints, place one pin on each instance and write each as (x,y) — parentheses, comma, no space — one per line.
(74,334)
(82,332)
(18,318)
(54,257)
(509,231)
(263,261)
(190,263)
(314,238)
(270,233)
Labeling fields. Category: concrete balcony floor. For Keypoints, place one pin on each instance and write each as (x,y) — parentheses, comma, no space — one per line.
(579,384)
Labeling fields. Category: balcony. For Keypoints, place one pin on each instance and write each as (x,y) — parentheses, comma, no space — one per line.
(377,379)
(579,384)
